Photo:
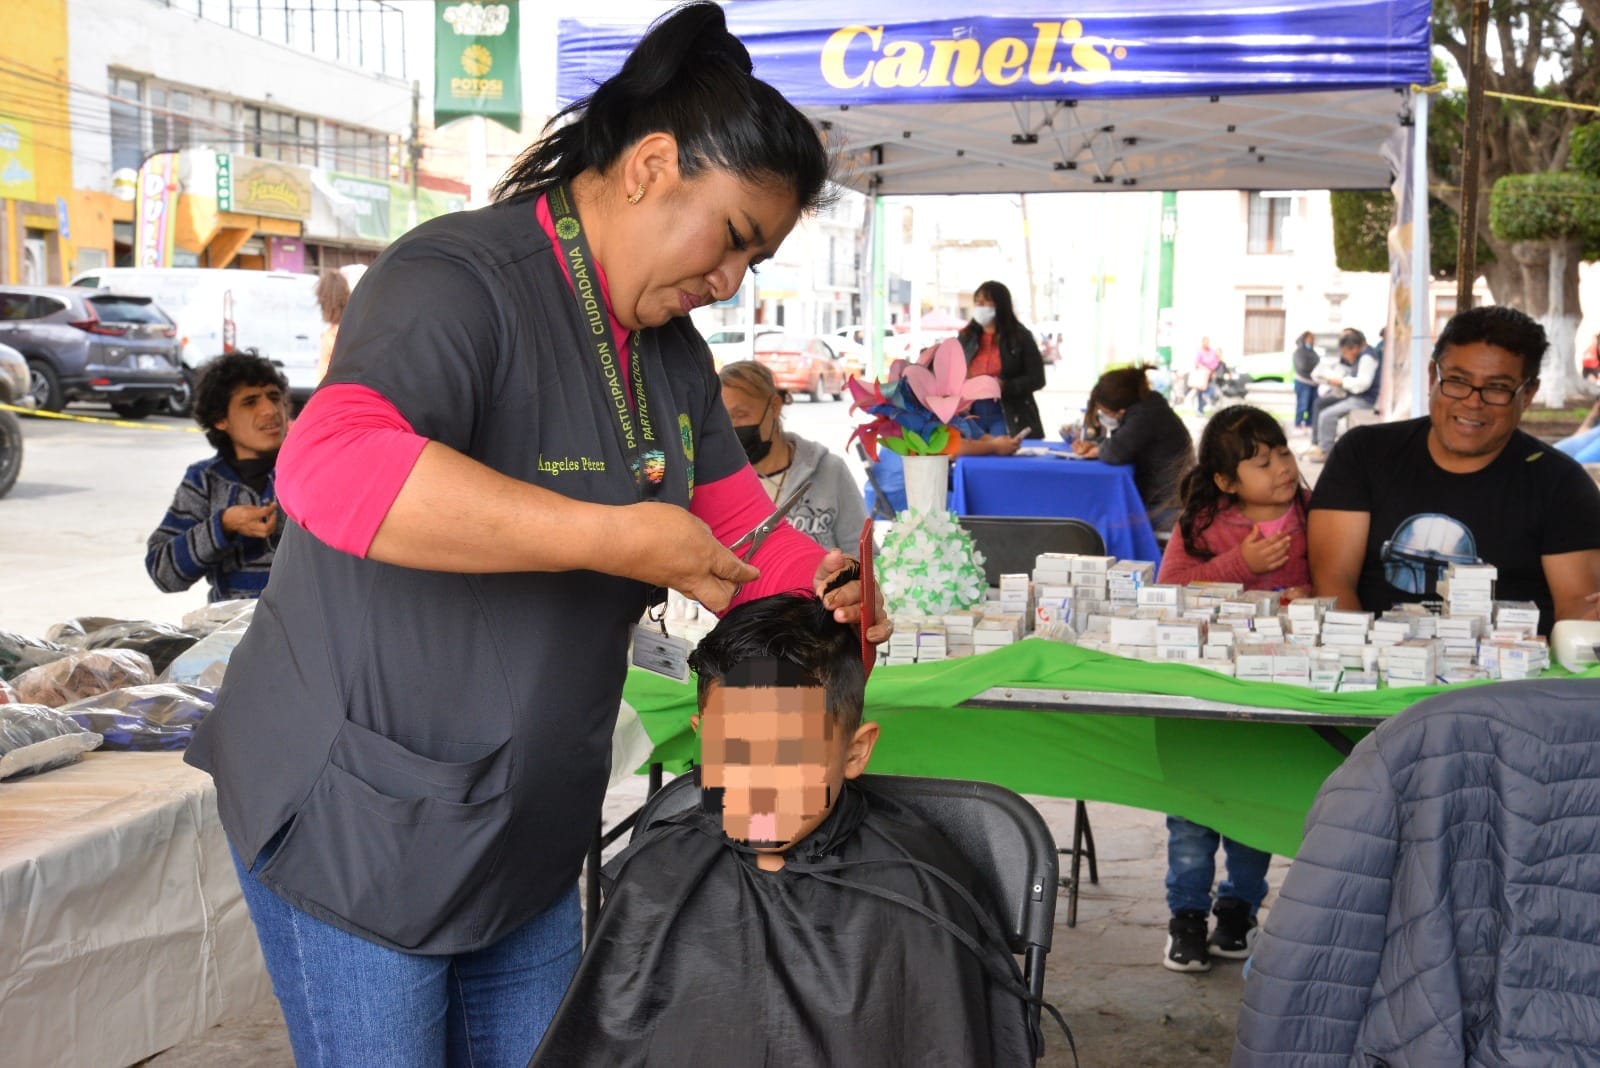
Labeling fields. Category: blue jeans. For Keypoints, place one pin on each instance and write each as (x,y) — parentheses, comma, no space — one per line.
(350,1003)
(1192,864)
(1305,396)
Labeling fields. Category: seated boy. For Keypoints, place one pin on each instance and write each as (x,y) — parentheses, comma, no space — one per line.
(224,525)
(795,917)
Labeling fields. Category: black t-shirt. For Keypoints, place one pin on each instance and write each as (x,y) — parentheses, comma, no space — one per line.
(1532,501)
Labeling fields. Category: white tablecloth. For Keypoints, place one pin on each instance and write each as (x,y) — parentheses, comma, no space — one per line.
(122,929)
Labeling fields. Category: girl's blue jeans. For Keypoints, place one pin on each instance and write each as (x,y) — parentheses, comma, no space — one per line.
(1192,865)
(350,1003)
(1305,396)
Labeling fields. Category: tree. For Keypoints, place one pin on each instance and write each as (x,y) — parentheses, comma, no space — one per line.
(1542,49)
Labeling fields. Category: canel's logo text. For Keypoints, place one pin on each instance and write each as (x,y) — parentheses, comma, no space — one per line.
(857,56)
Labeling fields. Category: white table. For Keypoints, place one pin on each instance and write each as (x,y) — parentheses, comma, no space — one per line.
(122,929)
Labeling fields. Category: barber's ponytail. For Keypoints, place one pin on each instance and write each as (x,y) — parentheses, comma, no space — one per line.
(691,78)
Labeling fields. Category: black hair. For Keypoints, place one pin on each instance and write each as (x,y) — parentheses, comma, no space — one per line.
(1351,338)
(214,387)
(1122,388)
(1502,327)
(1006,324)
(789,627)
(691,78)
(1229,439)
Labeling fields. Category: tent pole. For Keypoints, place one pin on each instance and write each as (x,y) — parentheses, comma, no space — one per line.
(878,316)
(1421,268)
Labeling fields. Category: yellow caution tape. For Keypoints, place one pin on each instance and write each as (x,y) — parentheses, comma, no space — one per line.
(97,420)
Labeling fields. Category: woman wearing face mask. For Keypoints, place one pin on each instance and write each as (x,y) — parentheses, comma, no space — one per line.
(1138,427)
(997,344)
(832,511)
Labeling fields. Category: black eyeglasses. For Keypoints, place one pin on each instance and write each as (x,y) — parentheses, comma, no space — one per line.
(1494,396)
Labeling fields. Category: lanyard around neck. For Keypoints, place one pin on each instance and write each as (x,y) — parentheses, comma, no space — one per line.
(634,431)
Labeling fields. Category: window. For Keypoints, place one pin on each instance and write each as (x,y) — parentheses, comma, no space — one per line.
(1263,323)
(14,306)
(127,137)
(1266,218)
(1444,309)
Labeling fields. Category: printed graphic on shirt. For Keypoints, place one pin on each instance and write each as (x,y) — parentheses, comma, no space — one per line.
(1422,547)
(686,435)
(817,522)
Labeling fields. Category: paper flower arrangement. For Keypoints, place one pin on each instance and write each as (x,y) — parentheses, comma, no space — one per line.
(917,408)
(929,566)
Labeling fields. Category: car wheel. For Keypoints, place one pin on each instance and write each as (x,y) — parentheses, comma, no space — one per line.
(180,401)
(45,387)
(138,409)
(819,395)
(10,451)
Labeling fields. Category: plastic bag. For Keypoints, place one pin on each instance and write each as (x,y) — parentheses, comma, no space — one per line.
(202,621)
(140,718)
(71,632)
(79,675)
(35,738)
(161,642)
(19,653)
(206,661)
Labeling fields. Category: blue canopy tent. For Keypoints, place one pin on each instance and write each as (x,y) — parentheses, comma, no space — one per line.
(1101,94)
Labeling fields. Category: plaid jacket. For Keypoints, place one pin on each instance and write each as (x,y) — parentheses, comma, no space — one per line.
(190,544)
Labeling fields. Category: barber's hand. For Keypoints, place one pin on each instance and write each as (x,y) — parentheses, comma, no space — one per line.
(251,521)
(846,600)
(1263,554)
(1594,607)
(679,552)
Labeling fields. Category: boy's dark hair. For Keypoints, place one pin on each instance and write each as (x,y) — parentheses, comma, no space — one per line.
(794,628)
(1006,324)
(1502,327)
(219,377)
(691,78)
(1122,388)
(1229,439)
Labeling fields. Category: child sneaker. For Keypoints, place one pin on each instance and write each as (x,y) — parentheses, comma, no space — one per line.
(1235,935)
(1186,942)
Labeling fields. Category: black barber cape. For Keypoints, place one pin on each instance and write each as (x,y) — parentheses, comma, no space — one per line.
(700,959)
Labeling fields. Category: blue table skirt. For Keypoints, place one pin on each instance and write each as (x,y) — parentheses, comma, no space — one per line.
(1098,493)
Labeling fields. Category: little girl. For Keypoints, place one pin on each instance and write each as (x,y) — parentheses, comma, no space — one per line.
(1243,520)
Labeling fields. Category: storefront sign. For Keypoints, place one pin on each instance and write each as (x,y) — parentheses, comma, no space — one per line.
(224,182)
(17,176)
(368,203)
(265,187)
(475,62)
(154,214)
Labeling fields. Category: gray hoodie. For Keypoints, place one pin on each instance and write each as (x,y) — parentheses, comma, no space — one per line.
(832,511)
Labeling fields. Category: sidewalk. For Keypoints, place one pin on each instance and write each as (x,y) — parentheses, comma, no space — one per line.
(1105,975)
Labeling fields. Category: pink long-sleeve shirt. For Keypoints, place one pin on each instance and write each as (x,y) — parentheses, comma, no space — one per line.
(351,451)
(1224,536)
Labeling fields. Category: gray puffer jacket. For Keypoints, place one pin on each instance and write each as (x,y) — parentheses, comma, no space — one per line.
(1445,906)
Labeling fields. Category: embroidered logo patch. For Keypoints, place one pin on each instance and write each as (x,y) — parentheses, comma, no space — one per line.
(567,228)
(686,435)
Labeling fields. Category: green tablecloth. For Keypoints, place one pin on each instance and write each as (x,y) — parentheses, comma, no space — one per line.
(1251,781)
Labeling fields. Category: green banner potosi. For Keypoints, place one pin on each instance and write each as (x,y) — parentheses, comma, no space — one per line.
(475,62)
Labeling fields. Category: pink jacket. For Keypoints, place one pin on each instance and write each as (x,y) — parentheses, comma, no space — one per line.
(1223,537)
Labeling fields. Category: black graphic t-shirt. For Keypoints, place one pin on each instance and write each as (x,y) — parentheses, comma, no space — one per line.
(1532,501)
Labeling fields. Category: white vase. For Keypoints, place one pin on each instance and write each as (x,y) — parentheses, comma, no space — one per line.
(927,483)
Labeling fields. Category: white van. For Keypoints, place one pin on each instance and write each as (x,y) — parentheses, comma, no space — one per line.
(221,310)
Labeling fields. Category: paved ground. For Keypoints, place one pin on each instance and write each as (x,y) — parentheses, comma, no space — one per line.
(1125,1010)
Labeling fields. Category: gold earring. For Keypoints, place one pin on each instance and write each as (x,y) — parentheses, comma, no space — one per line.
(638,194)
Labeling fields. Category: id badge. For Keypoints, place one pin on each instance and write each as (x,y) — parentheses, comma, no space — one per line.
(662,654)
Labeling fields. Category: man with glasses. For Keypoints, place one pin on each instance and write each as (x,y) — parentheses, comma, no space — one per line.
(1400,502)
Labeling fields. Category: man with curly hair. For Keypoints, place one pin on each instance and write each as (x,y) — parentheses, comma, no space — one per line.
(224,522)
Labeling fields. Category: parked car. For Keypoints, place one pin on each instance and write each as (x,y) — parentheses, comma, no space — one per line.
(1278,365)
(84,345)
(14,383)
(734,343)
(221,310)
(806,365)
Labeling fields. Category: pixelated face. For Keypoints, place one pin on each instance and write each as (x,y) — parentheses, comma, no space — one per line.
(778,757)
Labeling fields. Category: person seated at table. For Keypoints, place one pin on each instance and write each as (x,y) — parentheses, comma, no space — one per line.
(1139,427)
(1353,381)
(224,525)
(1398,503)
(794,917)
(1243,520)
(831,511)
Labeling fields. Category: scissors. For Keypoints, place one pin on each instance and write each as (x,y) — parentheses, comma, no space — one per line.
(759,532)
